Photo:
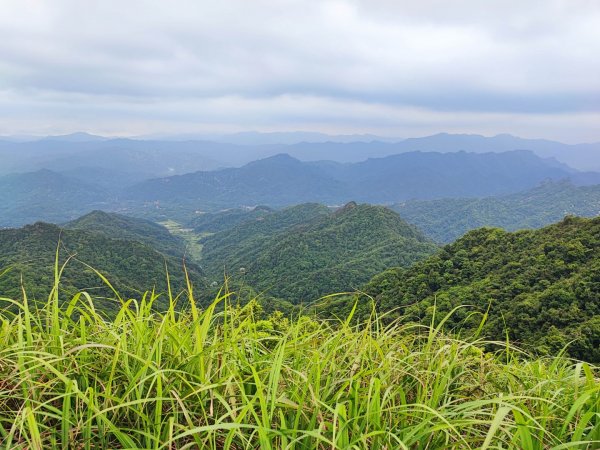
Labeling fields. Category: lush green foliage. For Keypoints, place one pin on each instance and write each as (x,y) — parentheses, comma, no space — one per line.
(233,380)
(307,251)
(29,254)
(223,220)
(448,219)
(244,234)
(117,226)
(541,288)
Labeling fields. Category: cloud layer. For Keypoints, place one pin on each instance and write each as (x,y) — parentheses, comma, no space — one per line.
(384,66)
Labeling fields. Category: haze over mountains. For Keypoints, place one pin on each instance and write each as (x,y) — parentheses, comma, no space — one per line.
(158,157)
(59,178)
(276,225)
(261,232)
(283,180)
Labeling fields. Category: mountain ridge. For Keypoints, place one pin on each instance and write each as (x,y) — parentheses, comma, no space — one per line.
(445,220)
(282,180)
(117,226)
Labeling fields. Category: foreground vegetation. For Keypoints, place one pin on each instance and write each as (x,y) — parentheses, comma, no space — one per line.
(541,287)
(229,377)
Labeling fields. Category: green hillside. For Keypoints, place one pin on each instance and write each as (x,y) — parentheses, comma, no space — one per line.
(213,222)
(132,267)
(300,257)
(48,196)
(448,219)
(542,287)
(117,226)
(234,244)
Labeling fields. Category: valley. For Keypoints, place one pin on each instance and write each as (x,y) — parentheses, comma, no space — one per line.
(295,257)
(193,246)
(300,225)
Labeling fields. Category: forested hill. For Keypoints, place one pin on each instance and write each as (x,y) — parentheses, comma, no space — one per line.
(46,195)
(541,286)
(262,227)
(301,260)
(447,219)
(117,226)
(131,267)
(224,220)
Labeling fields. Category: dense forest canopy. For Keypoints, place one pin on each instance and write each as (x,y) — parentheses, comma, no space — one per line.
(213,222)
(117,226)
(541,288)
(28,255)
(307,251)
(447,219)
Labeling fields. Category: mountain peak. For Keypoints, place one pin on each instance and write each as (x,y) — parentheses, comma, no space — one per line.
(281,157)
(347,207)
(79,136)
(278,159)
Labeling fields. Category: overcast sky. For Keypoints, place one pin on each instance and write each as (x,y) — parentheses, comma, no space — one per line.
(391,67)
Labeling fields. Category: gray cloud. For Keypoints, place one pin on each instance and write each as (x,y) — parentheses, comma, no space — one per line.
(387,66)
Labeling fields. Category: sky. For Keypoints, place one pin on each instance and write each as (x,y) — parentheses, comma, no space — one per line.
(389,67)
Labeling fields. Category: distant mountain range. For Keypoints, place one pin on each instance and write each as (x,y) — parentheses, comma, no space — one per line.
(46,195)
(177,155)
(283,180)
(273,138)
(276,181)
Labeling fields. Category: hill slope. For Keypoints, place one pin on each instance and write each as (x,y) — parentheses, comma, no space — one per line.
(223,220)
(235,244)
(131,267)
(417,175)
(46,195)
(328,253)
(117,226)
(447,219)
(542,286)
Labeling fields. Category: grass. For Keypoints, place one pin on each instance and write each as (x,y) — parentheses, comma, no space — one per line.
(224,378)
(191,239)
